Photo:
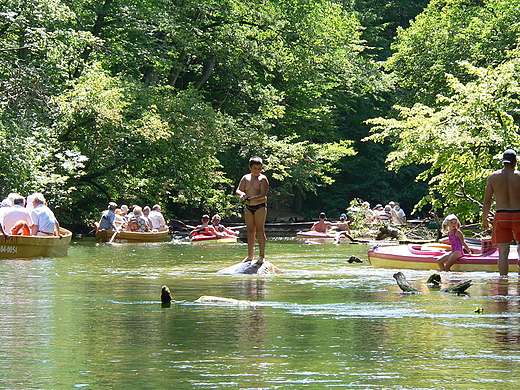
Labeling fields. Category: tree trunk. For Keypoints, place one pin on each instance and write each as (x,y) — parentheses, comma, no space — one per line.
(403,283)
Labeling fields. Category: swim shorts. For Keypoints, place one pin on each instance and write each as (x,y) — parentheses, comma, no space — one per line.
(506,225)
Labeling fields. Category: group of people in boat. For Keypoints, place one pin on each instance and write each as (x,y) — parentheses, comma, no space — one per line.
(390,213)
(213,228)
(136,219)
(27,217)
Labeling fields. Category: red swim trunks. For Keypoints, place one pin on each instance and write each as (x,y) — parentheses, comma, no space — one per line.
(506,225)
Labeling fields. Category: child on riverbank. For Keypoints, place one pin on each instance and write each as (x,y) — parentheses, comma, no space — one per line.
(456,241)
(252,190)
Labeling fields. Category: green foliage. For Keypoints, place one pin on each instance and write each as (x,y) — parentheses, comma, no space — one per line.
(460,138)
(447,32)
(164,101)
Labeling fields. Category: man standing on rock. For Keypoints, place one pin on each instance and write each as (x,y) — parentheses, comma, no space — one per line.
(504,184)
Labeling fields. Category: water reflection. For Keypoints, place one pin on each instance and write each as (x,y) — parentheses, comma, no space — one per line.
(95,320)
(507,294)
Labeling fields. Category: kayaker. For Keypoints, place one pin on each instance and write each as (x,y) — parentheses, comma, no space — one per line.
(457,242)
(221,229)
(252,190)
(504,184)
(204,228)
(322,225)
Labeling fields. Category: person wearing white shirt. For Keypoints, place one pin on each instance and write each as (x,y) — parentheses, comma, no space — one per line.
(15,214)
(44,221)
(157,218)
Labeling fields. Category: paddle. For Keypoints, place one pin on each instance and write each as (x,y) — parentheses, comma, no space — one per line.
(176,224)
(113,236)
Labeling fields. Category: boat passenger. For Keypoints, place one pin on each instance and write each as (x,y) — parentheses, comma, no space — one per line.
(322,225)
(142,222)
(17,219)
(452,223)
(146,213)
(385,215)
(119,221)
(398,215)
(43,219)
(221,229)
(4,206)
(342,225)
(108,217)
(204,228)
(157,219)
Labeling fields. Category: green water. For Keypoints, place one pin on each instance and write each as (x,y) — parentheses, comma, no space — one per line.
(94,320)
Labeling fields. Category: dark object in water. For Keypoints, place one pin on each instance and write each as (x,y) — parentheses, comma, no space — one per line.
(354,259)
(166,296)
(387,231)
(435,280)
(403,283)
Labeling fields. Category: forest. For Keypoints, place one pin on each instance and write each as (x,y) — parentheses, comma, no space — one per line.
(163,101)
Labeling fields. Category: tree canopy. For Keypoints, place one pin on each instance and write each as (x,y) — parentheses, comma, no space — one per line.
(458,106)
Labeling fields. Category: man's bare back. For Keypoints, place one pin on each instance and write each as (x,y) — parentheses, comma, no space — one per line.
(504,184)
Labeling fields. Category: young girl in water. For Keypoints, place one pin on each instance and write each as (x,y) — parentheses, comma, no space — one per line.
(456,241)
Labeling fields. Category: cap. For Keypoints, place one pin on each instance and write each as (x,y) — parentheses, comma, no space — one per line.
(112,205)
(323,215)
(343,215)
(205,216)
(509,156)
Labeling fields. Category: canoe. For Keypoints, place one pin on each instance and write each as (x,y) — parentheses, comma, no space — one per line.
(34,246)
(212,239)
(424,257)
(319,237)
(131,237)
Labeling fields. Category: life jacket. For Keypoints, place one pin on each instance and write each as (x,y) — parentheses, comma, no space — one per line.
(20,226)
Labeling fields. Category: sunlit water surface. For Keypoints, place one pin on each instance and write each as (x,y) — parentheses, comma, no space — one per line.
(94,320)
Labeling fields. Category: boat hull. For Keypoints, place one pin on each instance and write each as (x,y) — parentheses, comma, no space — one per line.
(322,238)
(413,257)
(207,239)
(12,247)
(131,237)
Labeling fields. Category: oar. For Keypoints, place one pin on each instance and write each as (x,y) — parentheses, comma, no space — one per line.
(174,223)
(113,236)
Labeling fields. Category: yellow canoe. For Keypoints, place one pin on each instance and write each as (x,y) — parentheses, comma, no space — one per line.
(130,237)
(12,247)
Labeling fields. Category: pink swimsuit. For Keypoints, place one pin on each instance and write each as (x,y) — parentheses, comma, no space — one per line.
(455,243)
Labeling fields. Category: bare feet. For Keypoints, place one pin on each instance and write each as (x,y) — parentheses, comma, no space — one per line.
(258,261)
(246,260)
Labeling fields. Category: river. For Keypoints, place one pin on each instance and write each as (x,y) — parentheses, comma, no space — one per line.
(94,320)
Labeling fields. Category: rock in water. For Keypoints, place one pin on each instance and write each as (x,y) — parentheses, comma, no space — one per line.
(246,268)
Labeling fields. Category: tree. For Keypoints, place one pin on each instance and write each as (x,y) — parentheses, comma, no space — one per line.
(447,32)
(460,138)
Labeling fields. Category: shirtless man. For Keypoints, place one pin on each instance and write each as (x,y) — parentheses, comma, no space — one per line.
(252,190)
(322,225)
(504,184)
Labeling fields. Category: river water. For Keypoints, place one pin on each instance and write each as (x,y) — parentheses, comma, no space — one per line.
(94,320)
